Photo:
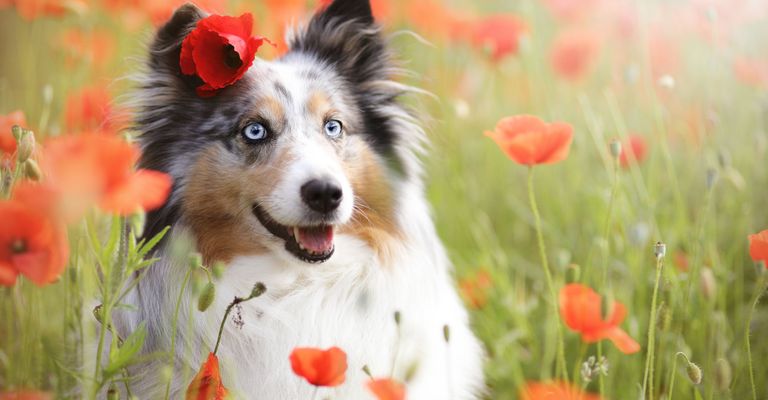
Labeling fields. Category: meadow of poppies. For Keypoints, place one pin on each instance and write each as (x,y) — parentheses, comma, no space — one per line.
(597,172)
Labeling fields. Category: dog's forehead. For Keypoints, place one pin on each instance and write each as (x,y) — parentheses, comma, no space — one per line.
(294,81)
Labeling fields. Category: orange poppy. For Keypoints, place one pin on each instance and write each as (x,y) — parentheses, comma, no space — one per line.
(528,140)
(559,390)
(434,19)
(95,168)
(633,151)
(320,367)
(90,48)
(574,53)
(33,242)
(580,308)
(206,385)
(758,247)
(26,394)
(89,108)
(32,9)
(499,33)
(387,389)
(474,288)
(7,141)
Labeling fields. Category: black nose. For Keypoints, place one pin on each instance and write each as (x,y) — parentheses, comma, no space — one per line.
(321,195)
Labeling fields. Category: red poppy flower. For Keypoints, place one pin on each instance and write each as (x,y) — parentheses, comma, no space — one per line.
(89,109)
(573,53)
(633,151)
(528,140)
(758,247)
(499,33)
(320,367)
(474,288)
(434,19)
(751,72)
(26,395)
(206,385)
(7,141)
(92,48)
(219,50)
(387,389)
(580,309)
(571,10)
(560,390)
(33,242)
(32,9)
(95,168)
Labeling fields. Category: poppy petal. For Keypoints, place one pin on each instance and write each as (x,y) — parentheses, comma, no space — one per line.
(145,189)
(622,340)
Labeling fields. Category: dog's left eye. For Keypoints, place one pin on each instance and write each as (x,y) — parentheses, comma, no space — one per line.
(333,129)
(254,132)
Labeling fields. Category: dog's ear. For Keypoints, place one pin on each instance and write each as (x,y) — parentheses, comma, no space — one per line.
(165,50)
(345,36)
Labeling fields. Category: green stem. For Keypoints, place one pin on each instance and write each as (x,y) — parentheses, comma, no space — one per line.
(648,375)
(760,289)
(172,353)
(561,369)
(257,291)
(674,373)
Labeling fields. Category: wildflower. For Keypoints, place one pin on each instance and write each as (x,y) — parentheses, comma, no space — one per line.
(474,288)
(581,311)
(89,109)
(92,48)
(26,394)
(556,390)
(680,261)
(758,247)
(387,389)
(499,33)
(573,53)
(433,18)
(751,72)
(633,151)
(33,242)
(528,140)
(32,9)
(219,50)
(207,385)
(93,168)
(320,367)
(7,141)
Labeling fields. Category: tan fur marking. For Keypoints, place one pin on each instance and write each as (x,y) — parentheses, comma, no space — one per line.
(318,104)
(217,204)
(373,220)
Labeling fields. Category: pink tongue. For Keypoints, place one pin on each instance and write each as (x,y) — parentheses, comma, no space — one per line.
(317,239)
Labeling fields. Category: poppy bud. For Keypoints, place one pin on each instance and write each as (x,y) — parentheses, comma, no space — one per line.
(397,318)
(32,170)
(258,290)
(206,297)
(195,260)
(694,373)
(615,148)
(98,313)
(26,146)
(708,283)
(367,371)
(723,374)
(218,269)
(17,132)
(446,333)
(112,393)
(137,221)
(411,371)
(659,250)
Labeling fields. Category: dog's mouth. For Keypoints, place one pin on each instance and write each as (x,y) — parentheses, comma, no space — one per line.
(312,244)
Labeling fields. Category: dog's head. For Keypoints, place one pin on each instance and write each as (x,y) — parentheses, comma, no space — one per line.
(301,149)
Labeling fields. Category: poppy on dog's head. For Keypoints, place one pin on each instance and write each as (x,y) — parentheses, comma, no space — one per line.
(219,51)
(528,140)
(320,367)
(580,308)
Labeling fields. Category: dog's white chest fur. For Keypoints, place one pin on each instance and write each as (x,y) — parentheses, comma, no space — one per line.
(349,302)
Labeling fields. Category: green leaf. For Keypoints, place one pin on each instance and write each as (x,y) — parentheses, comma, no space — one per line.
(125,355)
(146,248)
(114,237)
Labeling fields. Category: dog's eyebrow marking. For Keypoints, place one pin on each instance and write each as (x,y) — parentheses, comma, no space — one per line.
(282,91)
(318,103)
(272,110)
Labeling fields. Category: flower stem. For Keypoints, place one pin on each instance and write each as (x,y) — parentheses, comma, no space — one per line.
(648,375)
(760,289)
(174,324)
(560,368)
(257,291)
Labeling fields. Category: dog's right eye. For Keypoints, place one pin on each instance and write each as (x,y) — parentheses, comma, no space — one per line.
(254,132)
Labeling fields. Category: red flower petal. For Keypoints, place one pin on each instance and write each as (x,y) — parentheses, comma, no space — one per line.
(528,140)
(758,247)
(320,367)
(145,189)
(387,389)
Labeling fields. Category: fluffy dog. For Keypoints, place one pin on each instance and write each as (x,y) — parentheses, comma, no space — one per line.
(304,175)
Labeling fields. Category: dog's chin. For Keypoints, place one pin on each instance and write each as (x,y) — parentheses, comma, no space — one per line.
(312,244)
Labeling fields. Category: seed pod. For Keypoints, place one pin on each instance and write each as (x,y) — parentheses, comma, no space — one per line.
(26,146)
(32,170)
(659,250)
(411,371)
(694,373)
(195,260)
(258,289)
(206,297)
(17,132)
(397,318)
(446,333)
(708,283)
(723,374)
(98,313)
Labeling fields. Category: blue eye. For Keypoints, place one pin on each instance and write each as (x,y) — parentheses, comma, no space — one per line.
(254,132)
(333,128)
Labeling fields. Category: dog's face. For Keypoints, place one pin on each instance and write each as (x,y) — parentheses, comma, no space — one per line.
(300,150)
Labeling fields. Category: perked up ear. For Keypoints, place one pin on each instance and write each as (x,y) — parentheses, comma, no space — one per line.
(350,9)
(166,47)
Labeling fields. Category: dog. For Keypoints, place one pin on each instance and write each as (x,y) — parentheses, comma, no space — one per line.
(305,176)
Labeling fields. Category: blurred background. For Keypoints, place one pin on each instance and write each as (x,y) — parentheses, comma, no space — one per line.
(682,84)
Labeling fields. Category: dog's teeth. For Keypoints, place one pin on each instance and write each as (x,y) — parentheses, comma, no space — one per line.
(296,233)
